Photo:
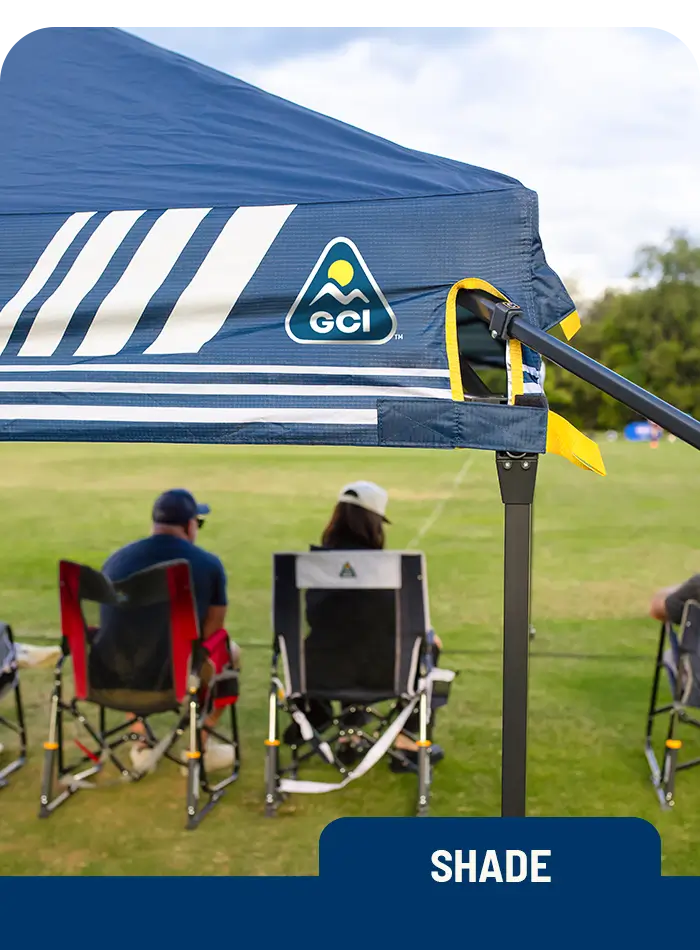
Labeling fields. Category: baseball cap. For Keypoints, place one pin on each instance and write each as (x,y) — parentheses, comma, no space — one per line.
(177,507)
(366,495)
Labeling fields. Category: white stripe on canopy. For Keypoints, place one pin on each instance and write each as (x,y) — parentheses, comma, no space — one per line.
(184,414)
(122,308)
(41,272)
(54,315)
(204,305)
(222,389)
(269,369)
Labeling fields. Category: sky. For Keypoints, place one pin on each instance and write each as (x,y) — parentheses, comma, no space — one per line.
(604,124)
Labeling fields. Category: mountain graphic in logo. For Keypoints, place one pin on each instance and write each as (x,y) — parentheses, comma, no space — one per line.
(347,570)
(332,291)
(341,301)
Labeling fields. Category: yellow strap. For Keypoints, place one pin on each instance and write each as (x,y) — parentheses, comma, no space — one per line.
(566,440)
(562,438)
(517,386)
(451,341)
(571,325)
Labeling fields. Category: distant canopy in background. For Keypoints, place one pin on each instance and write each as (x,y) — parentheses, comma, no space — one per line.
(186,258)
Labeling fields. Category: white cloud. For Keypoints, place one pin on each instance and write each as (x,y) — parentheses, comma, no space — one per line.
(603,123)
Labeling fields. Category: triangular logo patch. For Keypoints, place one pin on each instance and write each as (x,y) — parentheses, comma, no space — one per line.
(341,301)
(347,570)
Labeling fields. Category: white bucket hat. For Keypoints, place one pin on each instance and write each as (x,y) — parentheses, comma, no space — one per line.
(366,495)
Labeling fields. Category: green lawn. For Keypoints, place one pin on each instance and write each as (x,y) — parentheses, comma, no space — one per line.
(601,545)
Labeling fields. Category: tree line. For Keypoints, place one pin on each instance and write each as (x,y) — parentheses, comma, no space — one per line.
(649,333)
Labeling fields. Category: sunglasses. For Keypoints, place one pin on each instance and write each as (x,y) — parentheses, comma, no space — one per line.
(200,523)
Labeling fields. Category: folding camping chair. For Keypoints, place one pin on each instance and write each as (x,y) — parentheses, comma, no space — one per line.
(9,683)
(679,657)
(155,616)
(367,648)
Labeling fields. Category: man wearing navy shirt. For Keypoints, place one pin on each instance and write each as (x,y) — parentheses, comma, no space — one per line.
(177,518)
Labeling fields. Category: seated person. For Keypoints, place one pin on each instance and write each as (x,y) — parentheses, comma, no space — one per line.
(357,523)
(176,520)
(668,603)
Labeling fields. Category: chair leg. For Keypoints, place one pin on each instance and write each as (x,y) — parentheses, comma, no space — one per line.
(197,780)
(194,762)
(669,763)
(424,765)
(272,744)
(52,769)
(19,728)
(20,722)
(658,771)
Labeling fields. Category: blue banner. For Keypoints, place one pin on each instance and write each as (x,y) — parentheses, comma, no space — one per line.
(642,432)
(552,882)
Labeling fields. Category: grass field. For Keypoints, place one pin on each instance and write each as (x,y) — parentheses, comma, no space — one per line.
(601,546)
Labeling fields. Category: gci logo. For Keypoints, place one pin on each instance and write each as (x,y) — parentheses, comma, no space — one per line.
(341,302)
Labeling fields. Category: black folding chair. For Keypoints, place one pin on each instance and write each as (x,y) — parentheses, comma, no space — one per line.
(678,656)
(9,683)
(351,631)
(147,662)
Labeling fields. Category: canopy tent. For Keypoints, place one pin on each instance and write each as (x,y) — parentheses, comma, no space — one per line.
(181,252)
(185,258)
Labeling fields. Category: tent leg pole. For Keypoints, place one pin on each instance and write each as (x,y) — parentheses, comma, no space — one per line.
(517,475)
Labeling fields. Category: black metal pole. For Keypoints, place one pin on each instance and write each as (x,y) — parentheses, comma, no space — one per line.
(679,423)
(516,476)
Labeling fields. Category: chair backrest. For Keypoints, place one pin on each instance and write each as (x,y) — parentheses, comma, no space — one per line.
(689,649)
(349,624)
(9,666)
(143,643)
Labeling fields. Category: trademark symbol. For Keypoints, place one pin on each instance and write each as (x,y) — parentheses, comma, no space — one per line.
(399,336)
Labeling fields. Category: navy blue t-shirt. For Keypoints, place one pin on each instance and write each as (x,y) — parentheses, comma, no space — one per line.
(135,654)
(208,574)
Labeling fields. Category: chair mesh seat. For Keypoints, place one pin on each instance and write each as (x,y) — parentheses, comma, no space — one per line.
(141,702)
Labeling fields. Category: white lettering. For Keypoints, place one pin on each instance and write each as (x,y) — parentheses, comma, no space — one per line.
(342,324)
(440,859)
(452,865)
(321,327)
(365,321)
(538,866)
(461,865)
(490,868)
(511,876)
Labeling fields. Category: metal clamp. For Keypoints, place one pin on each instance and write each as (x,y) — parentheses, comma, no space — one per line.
(501,317)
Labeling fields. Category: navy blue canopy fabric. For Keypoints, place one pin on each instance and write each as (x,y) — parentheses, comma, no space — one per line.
(184,257)
(100,119)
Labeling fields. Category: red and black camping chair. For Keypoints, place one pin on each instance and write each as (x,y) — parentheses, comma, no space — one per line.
(9,685)
(678,657)
(145,660)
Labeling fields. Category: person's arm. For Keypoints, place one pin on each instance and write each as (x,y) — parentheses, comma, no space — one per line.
(216,612)
(657,609)
(668,603)
(214,620)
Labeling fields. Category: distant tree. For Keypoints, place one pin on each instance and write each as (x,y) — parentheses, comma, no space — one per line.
(650,334)
(678,261)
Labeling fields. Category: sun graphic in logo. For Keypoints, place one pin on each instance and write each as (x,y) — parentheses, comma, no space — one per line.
(342,272)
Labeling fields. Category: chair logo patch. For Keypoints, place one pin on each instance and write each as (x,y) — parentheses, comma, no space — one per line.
(341,301)
(347,570)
